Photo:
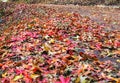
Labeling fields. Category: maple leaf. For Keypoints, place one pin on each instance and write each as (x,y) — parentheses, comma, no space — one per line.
(64,80)
(18,77)
(98,46)
(116,43)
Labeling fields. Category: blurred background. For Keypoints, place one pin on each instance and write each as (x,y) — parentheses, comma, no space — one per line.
(64,2)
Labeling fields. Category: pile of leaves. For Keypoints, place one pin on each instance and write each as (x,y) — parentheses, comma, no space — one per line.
(46,46)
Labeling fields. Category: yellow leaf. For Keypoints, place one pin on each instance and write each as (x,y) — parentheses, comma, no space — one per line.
(69,14)
(4,54)
(18,77)
(54,60)
(46,47)
(118,60)
(34,76)
(77,80)
(116,79)
(52,41)
(29,26)
(4,75)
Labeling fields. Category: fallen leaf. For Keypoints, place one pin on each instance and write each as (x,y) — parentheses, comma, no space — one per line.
(34,76)
(18,77)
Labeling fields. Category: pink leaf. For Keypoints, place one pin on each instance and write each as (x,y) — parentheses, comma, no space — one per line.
(117,43)
(14,39)
(98,46)
(2,38)
(67,80)
(62,79)
(68,42)
(18,71)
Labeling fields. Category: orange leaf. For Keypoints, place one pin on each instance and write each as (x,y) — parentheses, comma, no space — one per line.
(1,64)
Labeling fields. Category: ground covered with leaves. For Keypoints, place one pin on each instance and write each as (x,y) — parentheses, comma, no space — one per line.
(40,44)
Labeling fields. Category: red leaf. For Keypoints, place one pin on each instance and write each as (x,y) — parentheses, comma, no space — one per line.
(117,43)
(64,80)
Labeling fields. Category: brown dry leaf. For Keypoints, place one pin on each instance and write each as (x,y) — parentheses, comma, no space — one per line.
(4,54)
(115,79)
(116,52)
(47,47)
(117,36)
(77,80)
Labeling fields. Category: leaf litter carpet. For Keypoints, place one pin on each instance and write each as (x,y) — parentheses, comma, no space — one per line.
(48,45)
